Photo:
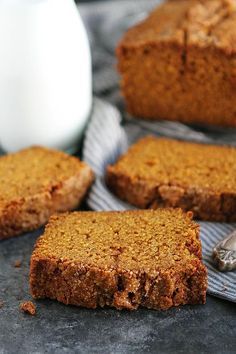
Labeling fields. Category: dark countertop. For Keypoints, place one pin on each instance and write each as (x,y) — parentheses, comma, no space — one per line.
(66,329)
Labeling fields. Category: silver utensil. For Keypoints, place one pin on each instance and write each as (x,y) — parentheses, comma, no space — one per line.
(224,253)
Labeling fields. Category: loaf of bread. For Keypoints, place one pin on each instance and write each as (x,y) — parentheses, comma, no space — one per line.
(35,183)
(180,63)
(170,173)
(120,259)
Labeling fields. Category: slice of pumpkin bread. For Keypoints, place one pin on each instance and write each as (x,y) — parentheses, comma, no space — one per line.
(170,173)
(148,258)
(37,182)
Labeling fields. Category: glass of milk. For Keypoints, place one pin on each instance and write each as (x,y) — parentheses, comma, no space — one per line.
(45,74)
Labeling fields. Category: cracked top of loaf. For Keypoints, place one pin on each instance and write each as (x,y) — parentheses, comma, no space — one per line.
(188,22)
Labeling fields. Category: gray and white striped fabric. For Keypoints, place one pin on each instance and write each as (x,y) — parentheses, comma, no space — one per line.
(109,134)
(105,141)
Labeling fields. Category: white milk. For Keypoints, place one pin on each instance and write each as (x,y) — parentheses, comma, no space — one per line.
(45,74)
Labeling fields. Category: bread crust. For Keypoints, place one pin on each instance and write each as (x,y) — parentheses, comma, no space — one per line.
(20,215)
(68,277)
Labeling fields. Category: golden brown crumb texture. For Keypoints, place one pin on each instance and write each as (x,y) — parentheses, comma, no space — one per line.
(35,183)
(169,173)
(120,259)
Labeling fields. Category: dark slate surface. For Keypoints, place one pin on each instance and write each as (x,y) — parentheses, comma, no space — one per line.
(66,329)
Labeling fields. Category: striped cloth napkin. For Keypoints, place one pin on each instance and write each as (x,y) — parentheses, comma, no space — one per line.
(110,133)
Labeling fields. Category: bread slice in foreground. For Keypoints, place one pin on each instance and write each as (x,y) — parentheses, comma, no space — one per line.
(37,182)
(180,63)
(120,259)
(170,173)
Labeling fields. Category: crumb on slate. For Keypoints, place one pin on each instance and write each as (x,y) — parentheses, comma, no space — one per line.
(1,304)
(17,263)
(28,307)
